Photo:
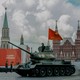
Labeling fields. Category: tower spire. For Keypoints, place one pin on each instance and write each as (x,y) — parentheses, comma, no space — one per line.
(22,40)
(78,25)
(56,28)
(5,33)
(5,24)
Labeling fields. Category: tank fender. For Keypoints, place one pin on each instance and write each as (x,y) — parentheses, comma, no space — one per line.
(33,66)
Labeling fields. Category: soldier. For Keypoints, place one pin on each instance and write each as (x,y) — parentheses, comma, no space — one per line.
(11,66)
(6,66)
(43,47)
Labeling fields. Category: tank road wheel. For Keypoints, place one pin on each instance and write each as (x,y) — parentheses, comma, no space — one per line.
(67,71)
(36,72)
(49,71)
(31,72)
(42,72)
(72,70)
(56,71)
(62,71)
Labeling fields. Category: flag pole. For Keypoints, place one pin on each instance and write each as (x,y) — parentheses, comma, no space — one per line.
(48,44)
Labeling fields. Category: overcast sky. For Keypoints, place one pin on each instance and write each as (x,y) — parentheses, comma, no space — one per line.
(32,18)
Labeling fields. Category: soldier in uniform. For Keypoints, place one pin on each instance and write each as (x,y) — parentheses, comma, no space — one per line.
(6,66)
(43,47)
(11,66)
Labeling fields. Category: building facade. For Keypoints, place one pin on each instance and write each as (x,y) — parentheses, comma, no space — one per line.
(67,49)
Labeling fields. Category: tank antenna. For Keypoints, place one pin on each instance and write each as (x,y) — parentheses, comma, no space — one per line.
(31,49)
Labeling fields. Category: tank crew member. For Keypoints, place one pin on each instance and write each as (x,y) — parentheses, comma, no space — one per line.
(43,47)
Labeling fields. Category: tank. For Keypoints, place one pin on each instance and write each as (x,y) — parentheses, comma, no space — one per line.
(43,64)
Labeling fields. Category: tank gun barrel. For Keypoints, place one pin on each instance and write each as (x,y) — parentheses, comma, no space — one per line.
(33,57)
(20,48)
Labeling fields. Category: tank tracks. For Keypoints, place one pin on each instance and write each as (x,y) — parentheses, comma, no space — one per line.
(43,71)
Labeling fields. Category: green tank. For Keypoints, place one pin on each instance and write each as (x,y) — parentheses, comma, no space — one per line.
(44,63)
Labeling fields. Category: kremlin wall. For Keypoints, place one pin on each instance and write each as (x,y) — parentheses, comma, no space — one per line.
(10,56)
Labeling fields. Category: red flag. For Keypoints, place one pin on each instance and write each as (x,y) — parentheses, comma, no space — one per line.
(53,35)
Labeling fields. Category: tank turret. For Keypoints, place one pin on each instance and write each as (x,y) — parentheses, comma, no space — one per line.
(42,55)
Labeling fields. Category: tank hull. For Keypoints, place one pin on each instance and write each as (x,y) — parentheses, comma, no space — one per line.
(47,70)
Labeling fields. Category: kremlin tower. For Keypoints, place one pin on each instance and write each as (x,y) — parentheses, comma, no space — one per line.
(6,53)
(24,55)
(77,42)
(56,44)
(5,33)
